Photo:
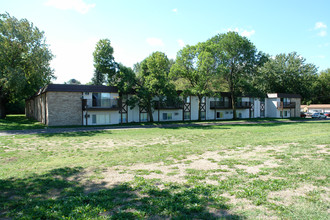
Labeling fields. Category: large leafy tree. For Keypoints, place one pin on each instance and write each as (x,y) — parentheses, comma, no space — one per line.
(288,73)
(104,63)
(195,65)
(236,60)
(322,88)
(24,60)
(152,80)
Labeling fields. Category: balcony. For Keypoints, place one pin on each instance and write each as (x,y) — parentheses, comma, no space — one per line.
(220,105)
(100,104)
(168,105)
(228,105)
(281,105)
(243,105)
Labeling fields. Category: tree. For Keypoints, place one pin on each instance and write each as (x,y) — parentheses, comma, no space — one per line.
(196,65)
(152,80)
(104,63)
(236,61)
(73,82)
(322,87)
(288,73)
(98,78)
(24,60)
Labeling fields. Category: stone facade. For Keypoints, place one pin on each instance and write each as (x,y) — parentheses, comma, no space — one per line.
(64,108)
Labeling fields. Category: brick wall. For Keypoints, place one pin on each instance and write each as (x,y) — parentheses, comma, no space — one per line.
(64,108)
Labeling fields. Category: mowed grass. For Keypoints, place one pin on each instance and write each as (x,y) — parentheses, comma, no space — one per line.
(272,170)
(19,122)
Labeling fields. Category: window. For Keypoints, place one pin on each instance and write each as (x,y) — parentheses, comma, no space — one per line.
(101,99)
(124,115)
(167,116)
(144,117)
(101,119)
(187,116)
(281,114)
(240,115)
(219,114)
(203,115)
(285,114)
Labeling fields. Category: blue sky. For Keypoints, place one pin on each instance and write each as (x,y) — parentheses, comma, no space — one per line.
(138,28)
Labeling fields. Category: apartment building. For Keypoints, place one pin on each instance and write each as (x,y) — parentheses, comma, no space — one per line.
(64,104)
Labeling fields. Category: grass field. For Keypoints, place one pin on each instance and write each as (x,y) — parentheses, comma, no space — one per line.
(273,170)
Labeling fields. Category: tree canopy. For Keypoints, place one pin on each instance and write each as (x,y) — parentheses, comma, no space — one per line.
(104,63)
(24,60)
(288,73)
(152,80)
(196,65)
(73,82)
(322,87)
(236,59)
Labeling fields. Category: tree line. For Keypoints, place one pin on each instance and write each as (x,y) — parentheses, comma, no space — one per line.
(226,62)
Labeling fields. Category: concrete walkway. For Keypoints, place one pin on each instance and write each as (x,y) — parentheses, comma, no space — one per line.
(124,127)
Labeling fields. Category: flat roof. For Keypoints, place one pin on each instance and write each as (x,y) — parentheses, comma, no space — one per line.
(77,88)
(283,95)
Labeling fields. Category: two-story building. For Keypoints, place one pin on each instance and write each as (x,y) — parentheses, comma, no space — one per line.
(64,104)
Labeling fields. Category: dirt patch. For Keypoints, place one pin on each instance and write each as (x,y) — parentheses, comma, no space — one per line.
(287,197)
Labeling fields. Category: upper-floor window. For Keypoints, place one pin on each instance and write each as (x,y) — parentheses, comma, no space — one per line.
(101,99)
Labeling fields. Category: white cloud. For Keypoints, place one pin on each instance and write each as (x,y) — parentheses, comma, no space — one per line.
(323,45)
(322,33)
(320,25)
(175,10)
(155,42)
(244,33)
(181,43)
(77,5)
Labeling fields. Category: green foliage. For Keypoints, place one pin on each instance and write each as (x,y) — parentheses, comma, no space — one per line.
(104,63)
(236,59)
(73,82)
(24,60)
(195,65)
(322,88)
(152,80)
(288,73)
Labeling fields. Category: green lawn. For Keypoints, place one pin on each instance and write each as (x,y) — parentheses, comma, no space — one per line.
(273,170)
(19,122)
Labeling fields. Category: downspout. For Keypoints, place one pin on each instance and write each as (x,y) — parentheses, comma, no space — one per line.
(45,108)
(82,110)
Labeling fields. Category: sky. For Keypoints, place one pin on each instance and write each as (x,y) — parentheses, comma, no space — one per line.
(136,28)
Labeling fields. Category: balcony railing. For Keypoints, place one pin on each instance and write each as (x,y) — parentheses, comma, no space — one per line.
(220,105)
(168,105)
(281,105)
(100,104)
(228,105)
(243,105)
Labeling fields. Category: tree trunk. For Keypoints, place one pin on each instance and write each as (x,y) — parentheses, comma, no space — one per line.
(199,108)
(150,113)
(233,103)
(2,108)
